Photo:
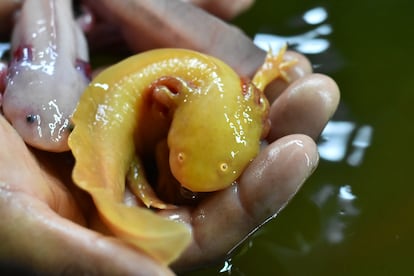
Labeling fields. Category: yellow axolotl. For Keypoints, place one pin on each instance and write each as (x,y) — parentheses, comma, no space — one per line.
(211,119)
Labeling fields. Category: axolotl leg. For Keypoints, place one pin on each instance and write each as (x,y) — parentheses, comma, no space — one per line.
(47,74)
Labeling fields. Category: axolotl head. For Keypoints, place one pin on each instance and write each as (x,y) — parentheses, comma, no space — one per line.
(213,139)
(39,105)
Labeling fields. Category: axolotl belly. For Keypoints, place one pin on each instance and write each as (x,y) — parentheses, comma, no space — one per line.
(47,74)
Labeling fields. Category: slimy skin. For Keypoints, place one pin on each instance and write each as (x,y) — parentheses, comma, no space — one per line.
(47,74)
(217,124)
(212,119)
(217,118)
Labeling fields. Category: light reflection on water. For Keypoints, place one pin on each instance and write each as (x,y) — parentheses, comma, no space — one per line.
(307,43)
(314,42)
(360,143)
(4,46)
(343,142)
(315,16)
(340,201)
(335,139)
(311,42)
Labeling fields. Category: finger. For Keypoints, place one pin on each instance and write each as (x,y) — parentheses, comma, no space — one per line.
(173,23)
(305,107)
(267,185)
(21,172)
(302,68)
(35,237)
(223,9)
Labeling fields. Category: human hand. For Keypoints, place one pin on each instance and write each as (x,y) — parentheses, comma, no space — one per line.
(298,114)
(42,212)
(303,108)
(165,23)
(224,10)
(45,219)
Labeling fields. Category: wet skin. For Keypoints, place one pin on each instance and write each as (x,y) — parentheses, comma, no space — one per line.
(47,73)
(211,119)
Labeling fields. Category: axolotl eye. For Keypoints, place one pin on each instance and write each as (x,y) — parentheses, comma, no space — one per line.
(32,118)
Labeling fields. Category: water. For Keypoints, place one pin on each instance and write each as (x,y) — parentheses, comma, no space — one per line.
(354,216)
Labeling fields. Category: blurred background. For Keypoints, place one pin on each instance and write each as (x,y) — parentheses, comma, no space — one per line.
(355,215)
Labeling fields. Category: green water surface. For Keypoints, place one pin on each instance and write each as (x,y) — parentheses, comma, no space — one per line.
(355,215)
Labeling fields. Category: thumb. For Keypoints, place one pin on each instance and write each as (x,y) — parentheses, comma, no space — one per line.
(35,237)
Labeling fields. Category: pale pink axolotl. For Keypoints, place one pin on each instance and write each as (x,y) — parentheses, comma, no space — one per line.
(47,74)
